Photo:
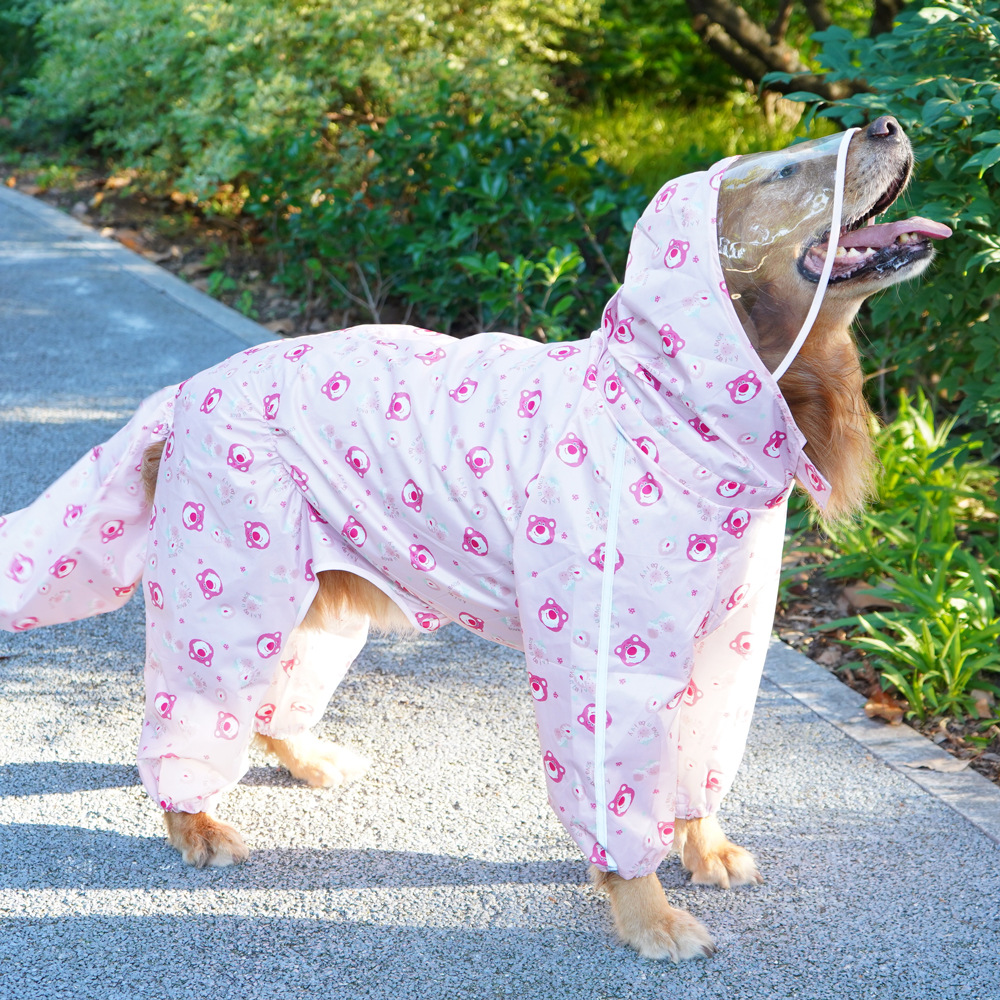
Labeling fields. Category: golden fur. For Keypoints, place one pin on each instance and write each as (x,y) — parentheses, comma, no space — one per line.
(824,392)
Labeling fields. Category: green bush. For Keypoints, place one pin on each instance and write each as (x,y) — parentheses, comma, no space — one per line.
(200,91)
(469,225)
(938,72)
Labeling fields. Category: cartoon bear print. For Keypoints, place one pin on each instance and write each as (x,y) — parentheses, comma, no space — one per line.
(703,429)
(736,522)
(623,330)
(552,616)
(210,583)
(596,558)
(358,460)
(211,400)
(163,704)
(475,542)
(571,450)
(648,447)
(412,495)
(399,407)
(588,718)
(427,621)
(646,490)
(663,198)
(201,651)
(531,400)
(354,531)
(471,621)
(632,651)
(257,534)
(613,388)
(464,391)
(155,593)
(479,460)
(671,342)
(265,714)
(227,726)
(193,516)
(741,644)
(111,530)
(701,547)
(539,687)
(63,567)
(729,488)
(268,644)
(297,352)
(422,558)
(540,530)
(676,254)
(744,388)
(240,457)
(553,768)
(336,386)
(736,597)
(624,798)
(271,403)
(773,447)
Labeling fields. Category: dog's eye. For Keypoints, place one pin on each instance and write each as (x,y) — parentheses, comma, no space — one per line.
(789,170)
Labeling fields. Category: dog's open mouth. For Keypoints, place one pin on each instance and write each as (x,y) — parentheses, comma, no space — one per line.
(868,249)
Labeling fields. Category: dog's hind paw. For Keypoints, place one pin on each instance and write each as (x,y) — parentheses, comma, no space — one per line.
(648,923)
(316,762)
(711,858)
(204,841)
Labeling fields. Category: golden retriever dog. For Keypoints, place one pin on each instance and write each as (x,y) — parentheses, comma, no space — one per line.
(770,291)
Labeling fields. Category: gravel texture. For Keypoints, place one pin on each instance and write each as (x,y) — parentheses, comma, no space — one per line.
(406,884)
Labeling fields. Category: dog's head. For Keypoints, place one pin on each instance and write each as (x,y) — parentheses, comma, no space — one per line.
(774,221)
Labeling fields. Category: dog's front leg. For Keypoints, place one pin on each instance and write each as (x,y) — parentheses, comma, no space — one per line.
(647,922)
(711,858)
(205,841)
(315,761)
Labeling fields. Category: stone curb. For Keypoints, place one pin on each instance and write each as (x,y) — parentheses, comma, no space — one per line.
(970,794)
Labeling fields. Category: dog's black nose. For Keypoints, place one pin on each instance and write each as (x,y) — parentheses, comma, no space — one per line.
(885,127)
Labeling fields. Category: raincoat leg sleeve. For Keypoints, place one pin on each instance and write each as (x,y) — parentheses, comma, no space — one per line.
(226,582)
(78,550)
(718,705)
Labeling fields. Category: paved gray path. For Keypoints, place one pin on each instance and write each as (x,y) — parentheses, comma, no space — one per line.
(406,884)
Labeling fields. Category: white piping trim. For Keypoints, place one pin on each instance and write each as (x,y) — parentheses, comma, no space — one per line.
(604,651)
(831,253)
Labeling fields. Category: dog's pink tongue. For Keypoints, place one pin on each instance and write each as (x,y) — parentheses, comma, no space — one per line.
(881,236)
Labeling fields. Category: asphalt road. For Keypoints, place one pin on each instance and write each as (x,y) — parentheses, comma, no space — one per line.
(406,883)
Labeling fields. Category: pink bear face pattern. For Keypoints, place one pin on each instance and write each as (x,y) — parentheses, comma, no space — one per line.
(413,495)
(358,460)
(613,388)
(624,798)
(297,352)
(163,704)
(729,488)
(571,450)
(588,718)
(539,687)
(427,621)
(646,490)
(471,621)
(201,651)
(63,567)
(210,583)
(155,593)
(737,522)
(676,254)
(464,390)
(257,535)
(531,400)
(742,644)
(773,447)
(596,558)
(670,341)
(540,530)
(703,429)
(335,386)
(240,457)
(632,651)
(399,407)
(701,548)
(111,530)
(422,558)
(354,531)
(271,404)
(552,616)
(193,516)
(268,644)
(479,460)
(744,388)
(663,198)
(623,331)
(475,542)
(553,768)
(648,447)
(211,400)
(227,726)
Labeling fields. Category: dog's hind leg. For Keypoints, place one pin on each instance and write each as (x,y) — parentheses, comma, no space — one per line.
(647,922)
(314,660)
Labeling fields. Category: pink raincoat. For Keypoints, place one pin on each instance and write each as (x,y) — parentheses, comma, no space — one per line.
(614,507)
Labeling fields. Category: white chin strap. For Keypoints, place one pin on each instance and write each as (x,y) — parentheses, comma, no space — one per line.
(831,253)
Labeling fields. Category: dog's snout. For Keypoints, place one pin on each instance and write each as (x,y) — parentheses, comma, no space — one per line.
(885,127)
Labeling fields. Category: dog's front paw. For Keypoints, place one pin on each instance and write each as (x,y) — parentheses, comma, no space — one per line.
(316,762)
(711,858)
(203,840)
(647,922)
